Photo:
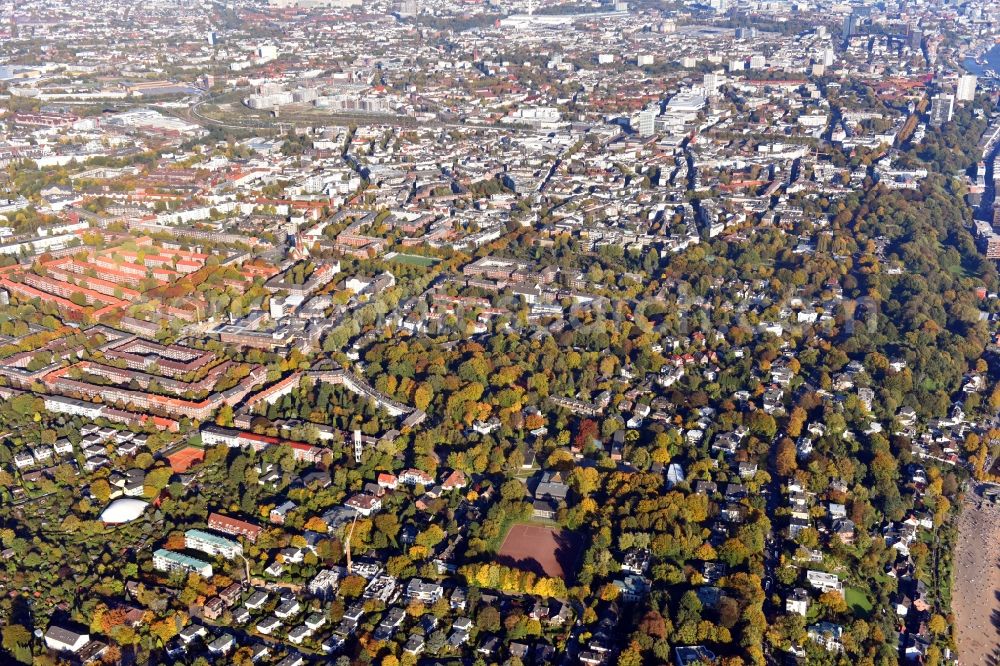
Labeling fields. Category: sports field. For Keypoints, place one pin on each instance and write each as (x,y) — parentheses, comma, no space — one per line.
(186,458)
(415,260)
(548,551)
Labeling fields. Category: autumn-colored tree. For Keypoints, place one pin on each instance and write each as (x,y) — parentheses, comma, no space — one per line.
(243,656)
(112,618)
(168,627)
(14,637)
(938,624)
(352,586)
(422,396)
(763,424)
(609,592)
(586,433)
(632,656)
(488,619)
(796,421)
(534,421)
(159,478)
(431,537)
(653,624)
(784,457)
(316,524)
(175,541)
(705,552)
(733,551)
(995,398)
(224,417)
(112,655)
(101,489)
(584,480)
(834,601)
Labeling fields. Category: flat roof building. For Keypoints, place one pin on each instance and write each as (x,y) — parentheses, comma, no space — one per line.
(212,544)
(169,561)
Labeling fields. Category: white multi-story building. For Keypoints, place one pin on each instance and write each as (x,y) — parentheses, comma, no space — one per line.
(647,120)
(942,109)
(824,582)
(966,91)
(711,82)
(797,602)
(61,639)
(168,560)
(267,52)
(212,544)
(426,591)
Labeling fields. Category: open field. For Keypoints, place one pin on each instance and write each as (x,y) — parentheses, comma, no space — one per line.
(976,596)
(414,260)
(858,601)
(543,550)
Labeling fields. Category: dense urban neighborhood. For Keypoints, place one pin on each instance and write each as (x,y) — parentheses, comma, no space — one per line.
(460,332)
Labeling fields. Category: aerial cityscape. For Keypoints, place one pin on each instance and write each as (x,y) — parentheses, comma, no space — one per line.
(459,332)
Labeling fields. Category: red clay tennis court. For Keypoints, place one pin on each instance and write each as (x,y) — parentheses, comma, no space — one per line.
(543,550)
(184,459)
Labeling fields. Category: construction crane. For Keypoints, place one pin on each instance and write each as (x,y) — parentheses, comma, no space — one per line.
(347,544)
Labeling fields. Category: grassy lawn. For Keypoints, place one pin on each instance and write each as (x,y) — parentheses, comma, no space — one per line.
(415,260)
(858,601)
